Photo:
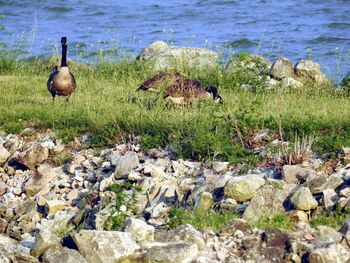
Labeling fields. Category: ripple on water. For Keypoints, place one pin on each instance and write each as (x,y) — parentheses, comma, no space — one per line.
(339,25)
(241,42)
(59,9)
(326,39)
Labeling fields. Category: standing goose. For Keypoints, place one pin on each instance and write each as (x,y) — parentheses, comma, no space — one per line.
(62,82)
(181,90)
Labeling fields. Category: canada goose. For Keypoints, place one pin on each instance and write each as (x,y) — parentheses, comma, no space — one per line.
(180,89)
(61,82)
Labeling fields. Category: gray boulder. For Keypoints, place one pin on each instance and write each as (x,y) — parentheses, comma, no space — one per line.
(164,57)
(282,68)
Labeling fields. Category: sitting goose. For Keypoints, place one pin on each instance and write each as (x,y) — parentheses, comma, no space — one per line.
(179,89)
(61,82)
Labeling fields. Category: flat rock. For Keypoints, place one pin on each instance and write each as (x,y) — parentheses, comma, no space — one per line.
(220,167)
(139,229)
(45,174)
(53,206)
(62,254)
(163,57)
(33,156)
(104,246)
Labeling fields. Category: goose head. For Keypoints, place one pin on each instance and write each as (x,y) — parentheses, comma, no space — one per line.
(64,41)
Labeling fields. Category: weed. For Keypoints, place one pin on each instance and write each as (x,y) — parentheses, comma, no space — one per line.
(199,219)
(121,206)
(334,219)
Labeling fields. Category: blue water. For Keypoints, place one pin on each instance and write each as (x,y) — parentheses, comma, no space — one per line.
(314,29)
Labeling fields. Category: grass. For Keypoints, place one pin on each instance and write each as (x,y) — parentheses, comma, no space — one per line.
(199,219)
(334,219)
(277,221)
(107,105)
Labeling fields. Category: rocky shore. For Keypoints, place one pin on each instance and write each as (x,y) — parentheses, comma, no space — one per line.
(67,203)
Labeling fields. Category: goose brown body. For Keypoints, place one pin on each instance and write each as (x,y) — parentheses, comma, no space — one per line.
(62,82)
(180,89)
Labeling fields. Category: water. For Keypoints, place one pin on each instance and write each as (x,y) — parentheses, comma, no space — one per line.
(314,29)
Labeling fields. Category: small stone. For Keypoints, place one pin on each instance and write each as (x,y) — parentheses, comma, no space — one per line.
(345,229)
(293,173)
(302,199)
(204,201)
(154,171)
(297,216)
(236,224)
(344,192)
(327,234)
(220,167)
(33,156)
(124,164)
(52,206)
(330,199)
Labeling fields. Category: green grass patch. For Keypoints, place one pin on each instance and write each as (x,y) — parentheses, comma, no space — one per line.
(107,106)
(334,219)
(199,219)
(276,221)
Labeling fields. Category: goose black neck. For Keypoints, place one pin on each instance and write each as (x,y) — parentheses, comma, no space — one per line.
(64,56)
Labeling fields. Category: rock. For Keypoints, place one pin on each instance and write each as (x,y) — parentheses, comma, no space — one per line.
(292,83)
(316,183)
(4,155)
(45,174)
(186,233)
(3,188)
(345,229)
(220,167)
(164,57)
(124,164)
(268,201)
(302,199)
(236,224)
(293,173)
(345,192)
(204,201)
(310,71)
(297,216)
(44,240)
(333,253)
(174,252)
(63,254)
(104,246)
(276,238)
(254,65)
(139,230)
(327,234)
(52,206)
(243,188)
(282,68)
(330,199)
(154,171)
(33,156)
